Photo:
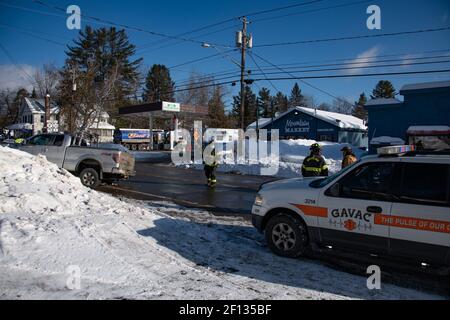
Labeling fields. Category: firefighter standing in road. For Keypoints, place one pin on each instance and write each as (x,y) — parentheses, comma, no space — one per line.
(210,164)
(349,157)
(314,165)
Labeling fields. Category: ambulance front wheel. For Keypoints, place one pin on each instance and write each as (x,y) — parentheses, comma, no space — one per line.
(287,236)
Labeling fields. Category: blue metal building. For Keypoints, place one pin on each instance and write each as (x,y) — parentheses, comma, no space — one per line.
(319,125)
(425,104)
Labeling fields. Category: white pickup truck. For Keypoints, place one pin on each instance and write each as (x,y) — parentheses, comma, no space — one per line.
(91,164)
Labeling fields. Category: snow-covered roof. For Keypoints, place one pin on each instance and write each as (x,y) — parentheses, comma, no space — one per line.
(382,101)
(428,130)
(20,126)
(387,140)
(103,126)
(261,123)
(425,86)
(337,119)
(38,106)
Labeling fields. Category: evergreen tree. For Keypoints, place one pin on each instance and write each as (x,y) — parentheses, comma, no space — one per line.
(109,52)
(159,85)
(280,103)
(358,110)
(250,108)
(101,65)
(296,99)
(264,103)
(383,89)
(216,109)
(34,94)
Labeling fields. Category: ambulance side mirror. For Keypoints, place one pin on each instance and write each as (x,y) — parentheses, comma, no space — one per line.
(335,190)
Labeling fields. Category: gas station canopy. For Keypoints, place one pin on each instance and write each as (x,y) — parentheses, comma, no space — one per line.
(163,109)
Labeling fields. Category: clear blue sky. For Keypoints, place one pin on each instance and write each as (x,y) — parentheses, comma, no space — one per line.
(175,17)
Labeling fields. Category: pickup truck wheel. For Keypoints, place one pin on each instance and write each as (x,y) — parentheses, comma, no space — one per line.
(89,178)
(287,236)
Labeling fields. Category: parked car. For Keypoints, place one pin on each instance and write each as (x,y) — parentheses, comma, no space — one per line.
(394,205)
(73,153)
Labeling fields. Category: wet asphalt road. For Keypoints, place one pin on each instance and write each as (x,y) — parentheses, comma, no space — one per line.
(157,179)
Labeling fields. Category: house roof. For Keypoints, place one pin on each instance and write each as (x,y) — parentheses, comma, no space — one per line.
(38,106)
(340,120)
(382,101)
(103,126)
(261,123)
(424,86)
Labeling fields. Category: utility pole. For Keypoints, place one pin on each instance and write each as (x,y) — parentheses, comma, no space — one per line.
(46,113)
(243,44)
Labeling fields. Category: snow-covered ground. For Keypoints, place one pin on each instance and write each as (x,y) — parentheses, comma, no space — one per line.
(291,156)
(50,225)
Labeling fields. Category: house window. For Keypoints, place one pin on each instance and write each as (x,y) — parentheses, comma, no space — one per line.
(326,137)
(42,118)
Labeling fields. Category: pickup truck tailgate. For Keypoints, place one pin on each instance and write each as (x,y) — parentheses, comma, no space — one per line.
(127,163)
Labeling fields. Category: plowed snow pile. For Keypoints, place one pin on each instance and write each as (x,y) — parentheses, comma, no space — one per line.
(52,229)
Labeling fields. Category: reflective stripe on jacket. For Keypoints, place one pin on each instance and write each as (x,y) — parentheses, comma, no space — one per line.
(314,166)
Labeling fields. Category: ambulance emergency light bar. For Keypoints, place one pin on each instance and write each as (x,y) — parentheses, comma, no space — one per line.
(395,150)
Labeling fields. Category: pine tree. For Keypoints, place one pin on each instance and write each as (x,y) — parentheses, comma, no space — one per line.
(216,110)
(358,110)
(100,62)
(159,85)
(383,89)
(296,99)
(109,52)
(250,108)
(280,103)
(34,94)
(264,103)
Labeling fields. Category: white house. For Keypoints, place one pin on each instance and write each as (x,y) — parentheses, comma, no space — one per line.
(32,111)
(32,114)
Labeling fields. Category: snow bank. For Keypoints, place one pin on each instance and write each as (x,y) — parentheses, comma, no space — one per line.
(53,229)
(292,153)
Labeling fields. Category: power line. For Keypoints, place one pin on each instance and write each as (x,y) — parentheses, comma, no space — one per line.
(265,76)
(407,56)
(294,76)
(31,34)
(280,8)
(353,37)
(303,81)
(10,57)
(358,75)
(200,59)
(311,11)
(229,20)
(120,25)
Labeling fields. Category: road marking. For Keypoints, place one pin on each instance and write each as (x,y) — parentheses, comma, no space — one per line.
(195,204)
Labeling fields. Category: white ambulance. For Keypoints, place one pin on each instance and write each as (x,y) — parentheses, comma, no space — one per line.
(396,204)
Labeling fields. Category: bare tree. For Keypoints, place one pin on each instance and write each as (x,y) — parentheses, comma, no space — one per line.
(46,80)
(340,105)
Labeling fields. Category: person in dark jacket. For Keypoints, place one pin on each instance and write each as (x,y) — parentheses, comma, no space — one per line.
(314,165)
(209,166)
(349,157)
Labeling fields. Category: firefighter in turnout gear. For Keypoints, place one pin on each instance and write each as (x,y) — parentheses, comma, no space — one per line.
(210,164)
(314,165)
(349,157)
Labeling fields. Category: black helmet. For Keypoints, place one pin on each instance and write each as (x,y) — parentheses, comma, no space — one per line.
(315,147)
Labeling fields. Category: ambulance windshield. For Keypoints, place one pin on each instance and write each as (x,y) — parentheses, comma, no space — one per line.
(320,183)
